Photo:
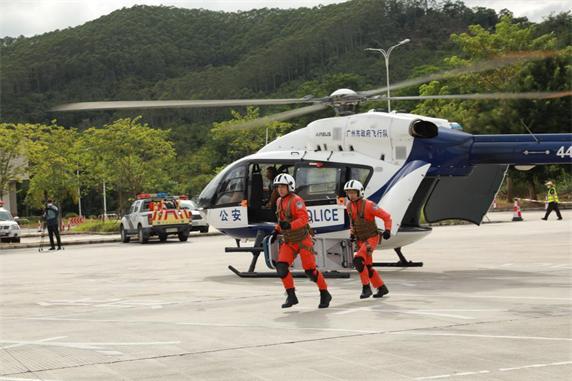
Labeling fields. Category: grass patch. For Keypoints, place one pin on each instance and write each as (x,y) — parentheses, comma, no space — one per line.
(97,226)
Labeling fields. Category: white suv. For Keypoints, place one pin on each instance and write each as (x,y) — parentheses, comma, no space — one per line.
(9,228)
(198,217)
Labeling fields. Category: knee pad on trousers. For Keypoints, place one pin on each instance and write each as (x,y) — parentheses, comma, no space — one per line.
(358,264)
(282,269)
(312,274)
(370,270)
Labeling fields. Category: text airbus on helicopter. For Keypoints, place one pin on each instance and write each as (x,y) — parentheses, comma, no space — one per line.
(411,165)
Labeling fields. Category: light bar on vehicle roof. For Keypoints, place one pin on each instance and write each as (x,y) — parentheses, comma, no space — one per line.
(142,196)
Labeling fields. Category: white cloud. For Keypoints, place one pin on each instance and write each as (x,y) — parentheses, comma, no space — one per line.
(535,10)
(30,17)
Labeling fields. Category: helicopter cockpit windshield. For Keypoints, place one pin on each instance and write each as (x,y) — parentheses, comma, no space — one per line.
(250,184)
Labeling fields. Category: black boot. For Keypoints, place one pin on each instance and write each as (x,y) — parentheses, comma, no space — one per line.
(365,292)
(381,291)
(291,298)
(325,299)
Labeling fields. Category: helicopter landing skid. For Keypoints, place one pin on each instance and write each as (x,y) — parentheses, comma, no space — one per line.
(295,274)
(403,262)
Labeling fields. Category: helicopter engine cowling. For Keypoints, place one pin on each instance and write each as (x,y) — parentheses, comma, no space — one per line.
(423,129)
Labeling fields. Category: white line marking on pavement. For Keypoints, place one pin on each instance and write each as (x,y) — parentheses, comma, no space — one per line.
(23,379)
(110,353)
(257,326)
(479,296)
(37,341)
(438,314)
(94,346)
(441,376)
(537,366)
(453,375)
(481,336)
(107,303)
(344,311)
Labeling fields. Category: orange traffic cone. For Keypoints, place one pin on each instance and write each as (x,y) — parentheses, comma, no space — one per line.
(517,214)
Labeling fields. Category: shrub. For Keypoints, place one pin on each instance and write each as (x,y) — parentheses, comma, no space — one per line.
(97,226)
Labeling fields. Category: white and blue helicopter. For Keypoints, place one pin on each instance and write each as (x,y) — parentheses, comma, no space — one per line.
(411,165)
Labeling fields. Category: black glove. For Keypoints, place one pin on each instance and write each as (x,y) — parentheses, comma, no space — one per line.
(273,236)
(386,234)
(285,225)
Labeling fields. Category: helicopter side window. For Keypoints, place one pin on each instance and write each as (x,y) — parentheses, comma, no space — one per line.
(318,183)
(360,174)
(232,187)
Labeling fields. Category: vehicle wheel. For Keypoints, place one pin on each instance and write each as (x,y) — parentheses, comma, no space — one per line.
(16,239)
(204,229)
(124,237)
(162,237)
(143,238)
(183,236)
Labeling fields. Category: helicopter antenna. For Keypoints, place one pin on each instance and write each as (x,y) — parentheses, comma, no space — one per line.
(529,131)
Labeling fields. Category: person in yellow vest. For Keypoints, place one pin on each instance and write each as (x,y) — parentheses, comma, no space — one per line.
(552,199)
(362,213)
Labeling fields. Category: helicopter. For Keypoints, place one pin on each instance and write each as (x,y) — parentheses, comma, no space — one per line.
(413,166)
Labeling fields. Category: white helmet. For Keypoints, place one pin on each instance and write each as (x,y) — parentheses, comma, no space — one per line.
(285,179)
(354,185)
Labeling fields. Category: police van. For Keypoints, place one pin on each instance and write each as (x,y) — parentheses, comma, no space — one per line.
(155,215)
(9,228)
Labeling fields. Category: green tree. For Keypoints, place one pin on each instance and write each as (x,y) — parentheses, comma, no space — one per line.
(129,156)
(13,151)
(53,164)
(506,116)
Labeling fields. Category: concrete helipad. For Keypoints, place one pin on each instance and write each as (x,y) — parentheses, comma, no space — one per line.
(491,303)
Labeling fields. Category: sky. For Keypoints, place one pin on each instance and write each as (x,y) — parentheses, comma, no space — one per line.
(31,17)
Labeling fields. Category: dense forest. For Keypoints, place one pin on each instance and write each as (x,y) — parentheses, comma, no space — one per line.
(148,52)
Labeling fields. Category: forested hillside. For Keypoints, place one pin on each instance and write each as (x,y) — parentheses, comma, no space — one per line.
(147,52)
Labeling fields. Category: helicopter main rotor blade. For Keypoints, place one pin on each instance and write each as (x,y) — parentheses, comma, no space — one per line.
(127,105)
(529,95)
(290,114)
(495,63)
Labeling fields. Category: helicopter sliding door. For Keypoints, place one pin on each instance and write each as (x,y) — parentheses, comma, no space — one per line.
(261,194)
(319,183)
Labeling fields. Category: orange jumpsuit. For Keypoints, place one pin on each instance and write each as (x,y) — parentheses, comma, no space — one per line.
(371,211)
(288,251)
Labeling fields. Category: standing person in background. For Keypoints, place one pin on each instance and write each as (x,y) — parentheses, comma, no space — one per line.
(51,217)
(552,199)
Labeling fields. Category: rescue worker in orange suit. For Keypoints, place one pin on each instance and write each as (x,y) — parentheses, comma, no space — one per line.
(362,214)
(293,225)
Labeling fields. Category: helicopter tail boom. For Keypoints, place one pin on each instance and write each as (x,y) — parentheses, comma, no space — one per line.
(522,149)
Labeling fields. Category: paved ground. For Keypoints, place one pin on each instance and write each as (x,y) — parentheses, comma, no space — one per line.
(492,303)
(37,240)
